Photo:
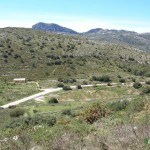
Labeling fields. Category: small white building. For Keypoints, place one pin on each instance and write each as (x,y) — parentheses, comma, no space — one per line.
(19,80)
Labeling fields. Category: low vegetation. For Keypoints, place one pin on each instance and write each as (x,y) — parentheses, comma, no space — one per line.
(109,116)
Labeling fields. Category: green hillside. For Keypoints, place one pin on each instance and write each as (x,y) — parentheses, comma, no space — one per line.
(38,55)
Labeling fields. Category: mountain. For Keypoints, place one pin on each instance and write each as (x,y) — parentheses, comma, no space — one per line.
(92,31)
(140,41)
(53,28)
(130,38)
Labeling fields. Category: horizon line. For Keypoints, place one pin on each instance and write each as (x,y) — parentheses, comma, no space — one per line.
(30,27)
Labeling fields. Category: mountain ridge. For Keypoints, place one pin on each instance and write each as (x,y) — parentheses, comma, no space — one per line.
(131,38)
(52,27)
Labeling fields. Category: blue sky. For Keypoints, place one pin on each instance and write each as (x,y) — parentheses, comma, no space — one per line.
(80,15)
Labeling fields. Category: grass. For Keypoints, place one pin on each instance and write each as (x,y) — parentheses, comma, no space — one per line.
(13,91)
(76,98)
(105,131)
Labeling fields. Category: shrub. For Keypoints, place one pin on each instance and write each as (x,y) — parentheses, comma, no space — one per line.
(51,121)
(60,79)
(17,112)
(146,90)
(79,87)
(93,113)
(60,85)
(66,88)
(136,105)
(133,79)
(131,59)
(12,106)
(119,105)
(147,82)
(109,84)
(67,80)
(85,82)
(40,119)
(1,108)
(122,80)
(104,78)
(118,76)
(16,56)
(137,85)
(35,111)
(53,100)
(58,62)
(66,112)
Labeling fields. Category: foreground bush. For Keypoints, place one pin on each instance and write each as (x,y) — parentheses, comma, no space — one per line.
(136,105)
(93,113)
(119,105)
(38,119)
(66,112)
(17,112)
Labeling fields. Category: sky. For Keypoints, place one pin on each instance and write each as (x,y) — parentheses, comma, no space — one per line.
(80,15)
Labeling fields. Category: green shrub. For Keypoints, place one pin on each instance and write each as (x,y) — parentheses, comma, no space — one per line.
(12,106)
(103,78)
(133,80)
(147,82)
(109,84)
(67,80)
(60,85)
(146,90)
(53,100)
(66,88)
(119,105)
(17,112)
(136,105)
(40,119)
(122,80)
(137,85)
(118,76)
(66,112)
(51,121)
(79,87)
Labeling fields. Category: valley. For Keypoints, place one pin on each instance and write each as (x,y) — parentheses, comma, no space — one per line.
(82,91)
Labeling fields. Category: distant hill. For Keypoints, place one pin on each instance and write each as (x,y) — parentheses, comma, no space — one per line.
(141,41)
(53,28)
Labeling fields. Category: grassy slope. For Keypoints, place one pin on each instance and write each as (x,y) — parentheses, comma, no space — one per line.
(38,55)
(11,91)
(115,130)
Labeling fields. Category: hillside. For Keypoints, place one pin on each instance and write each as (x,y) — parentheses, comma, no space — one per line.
(130,38)
(39,55)
(141,41)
